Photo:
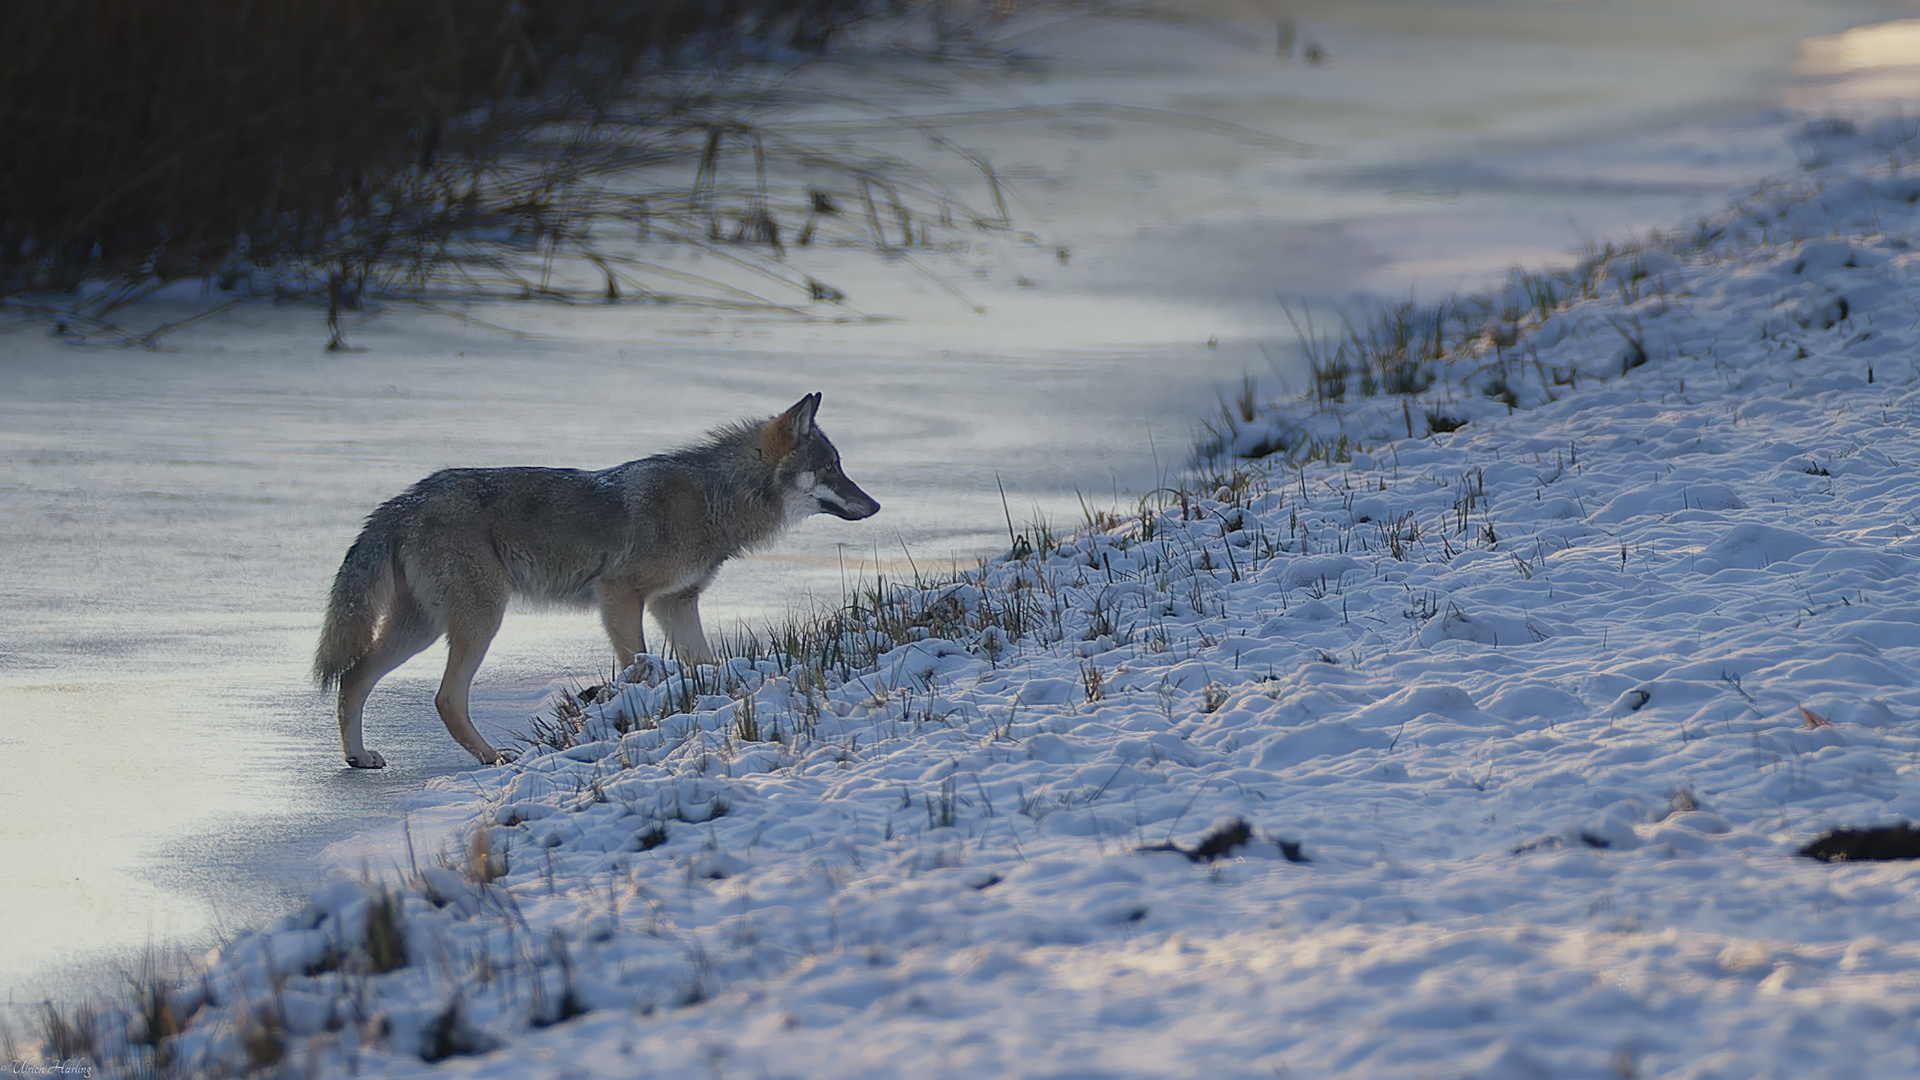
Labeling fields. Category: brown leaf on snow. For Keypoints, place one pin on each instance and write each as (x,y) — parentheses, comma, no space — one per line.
(1814,719)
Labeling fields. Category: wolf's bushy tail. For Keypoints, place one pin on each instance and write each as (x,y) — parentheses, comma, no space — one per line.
(362,595)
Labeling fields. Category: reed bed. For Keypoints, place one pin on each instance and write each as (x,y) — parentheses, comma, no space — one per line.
(342,142)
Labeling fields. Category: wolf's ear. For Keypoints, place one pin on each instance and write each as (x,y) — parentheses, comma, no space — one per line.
(799,419)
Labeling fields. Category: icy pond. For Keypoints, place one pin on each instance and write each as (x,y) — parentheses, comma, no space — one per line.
(170,518)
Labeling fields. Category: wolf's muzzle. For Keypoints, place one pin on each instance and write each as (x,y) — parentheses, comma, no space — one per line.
(848,503)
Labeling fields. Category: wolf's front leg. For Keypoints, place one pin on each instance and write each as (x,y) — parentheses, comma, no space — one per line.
(679,616)
(620,609)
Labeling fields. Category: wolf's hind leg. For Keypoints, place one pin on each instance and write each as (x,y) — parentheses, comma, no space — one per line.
(469,632)
(620,613)
(679,616)
(407,631)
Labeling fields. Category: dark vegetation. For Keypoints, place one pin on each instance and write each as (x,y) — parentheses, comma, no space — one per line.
(1223,840)
(1883,842)
(157,139)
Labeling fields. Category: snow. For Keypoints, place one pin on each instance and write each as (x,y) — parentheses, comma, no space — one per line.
(1528,719)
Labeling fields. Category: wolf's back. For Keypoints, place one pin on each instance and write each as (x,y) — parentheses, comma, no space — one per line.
(362,594)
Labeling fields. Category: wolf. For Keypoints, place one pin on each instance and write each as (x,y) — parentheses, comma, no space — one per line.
(443,556)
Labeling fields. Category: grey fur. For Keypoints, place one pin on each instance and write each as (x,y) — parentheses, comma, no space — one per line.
(443,556)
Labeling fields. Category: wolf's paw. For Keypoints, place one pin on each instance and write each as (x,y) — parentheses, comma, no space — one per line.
(505,757)
(367,759)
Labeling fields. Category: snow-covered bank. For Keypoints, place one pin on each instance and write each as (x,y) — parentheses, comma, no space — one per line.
(1548,704)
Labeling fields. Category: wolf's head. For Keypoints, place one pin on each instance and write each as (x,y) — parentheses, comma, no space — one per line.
(809,467)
